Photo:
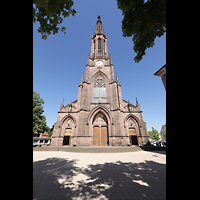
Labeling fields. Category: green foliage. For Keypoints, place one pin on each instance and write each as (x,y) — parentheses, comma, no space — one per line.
(154,134)
(143,21)
(49,14)
(39,120)
(50,132)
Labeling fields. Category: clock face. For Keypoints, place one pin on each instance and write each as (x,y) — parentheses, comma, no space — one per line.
(99,63)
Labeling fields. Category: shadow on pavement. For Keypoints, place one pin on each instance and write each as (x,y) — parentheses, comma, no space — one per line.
(58,178)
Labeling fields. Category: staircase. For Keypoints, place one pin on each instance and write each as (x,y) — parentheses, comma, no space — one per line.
(90,149)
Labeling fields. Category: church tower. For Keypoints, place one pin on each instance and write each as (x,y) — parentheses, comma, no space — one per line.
(99,117)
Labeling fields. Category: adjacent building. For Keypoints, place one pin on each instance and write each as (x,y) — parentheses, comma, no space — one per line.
(162,73)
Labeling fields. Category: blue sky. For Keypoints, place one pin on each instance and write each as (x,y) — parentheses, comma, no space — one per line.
(59,61)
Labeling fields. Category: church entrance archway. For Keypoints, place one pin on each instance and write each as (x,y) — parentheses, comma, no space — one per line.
(133,137)
(100,130)
(67,136)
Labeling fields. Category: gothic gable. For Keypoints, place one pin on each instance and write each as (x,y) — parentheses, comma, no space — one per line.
(101,74)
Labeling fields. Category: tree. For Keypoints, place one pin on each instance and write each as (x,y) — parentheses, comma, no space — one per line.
(143,21)
(50,132)
(48,14)
(154,134)
(39,120)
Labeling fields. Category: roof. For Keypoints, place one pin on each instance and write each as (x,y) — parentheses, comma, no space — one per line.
(44,135)
(161,71)
(99,28)
(128,102)
(36,133)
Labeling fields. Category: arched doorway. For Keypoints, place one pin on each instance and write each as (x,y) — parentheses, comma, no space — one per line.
(133,130)
(133,137)
(68,132)
(67,136)
(100,130)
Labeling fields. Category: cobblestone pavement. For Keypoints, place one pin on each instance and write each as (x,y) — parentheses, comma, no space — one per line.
(71,176)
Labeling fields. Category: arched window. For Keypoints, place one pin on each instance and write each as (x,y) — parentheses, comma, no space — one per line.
(99,47)
(99,90)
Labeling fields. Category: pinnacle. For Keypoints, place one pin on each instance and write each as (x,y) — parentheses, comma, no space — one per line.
(99,19)
(99,28)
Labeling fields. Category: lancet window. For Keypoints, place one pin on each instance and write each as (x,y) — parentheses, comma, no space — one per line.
(99,90)
(99,47)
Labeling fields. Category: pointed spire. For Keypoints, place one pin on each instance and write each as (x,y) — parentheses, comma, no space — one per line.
(99,28)
(117,79)
(62,104)
(137,105)
(136,101)
(99,19)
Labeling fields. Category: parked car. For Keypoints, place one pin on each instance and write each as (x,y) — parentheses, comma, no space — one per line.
(153,142)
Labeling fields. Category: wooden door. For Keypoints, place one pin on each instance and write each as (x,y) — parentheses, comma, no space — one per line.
(134,140)
(66,140)
(67,132)
(132,133)
(133,136)
(104,136)
(96,136)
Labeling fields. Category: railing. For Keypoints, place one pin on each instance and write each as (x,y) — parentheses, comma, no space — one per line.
(41,141)
(99,57)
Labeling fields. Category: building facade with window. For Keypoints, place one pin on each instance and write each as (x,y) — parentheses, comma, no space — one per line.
(100,116)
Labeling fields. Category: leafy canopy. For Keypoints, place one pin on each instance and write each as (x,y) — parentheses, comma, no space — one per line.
(39,120)
(154,134)
(49,14)
(143,21)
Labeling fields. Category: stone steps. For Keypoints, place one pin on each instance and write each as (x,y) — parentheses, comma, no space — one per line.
(89,149)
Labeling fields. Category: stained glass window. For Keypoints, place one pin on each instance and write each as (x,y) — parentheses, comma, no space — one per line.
(99,90)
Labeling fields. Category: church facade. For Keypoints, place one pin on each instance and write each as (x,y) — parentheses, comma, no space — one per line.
(100,116)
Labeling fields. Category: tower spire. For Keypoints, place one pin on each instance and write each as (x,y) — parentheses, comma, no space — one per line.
(99,28)
(99,46)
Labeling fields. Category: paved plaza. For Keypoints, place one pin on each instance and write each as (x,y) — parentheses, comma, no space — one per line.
(61,175)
